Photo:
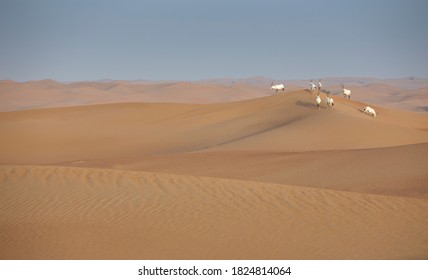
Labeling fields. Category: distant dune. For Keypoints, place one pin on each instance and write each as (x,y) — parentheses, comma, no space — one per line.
(409,94)
(209,171)
(51,94)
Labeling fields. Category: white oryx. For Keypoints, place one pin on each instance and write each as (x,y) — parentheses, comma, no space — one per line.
(277,87)
(370,111)
(318,101)
(319,86)
(330,102)
(346,92)
(312,86)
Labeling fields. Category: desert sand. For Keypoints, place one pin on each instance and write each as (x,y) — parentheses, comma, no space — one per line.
(209,171)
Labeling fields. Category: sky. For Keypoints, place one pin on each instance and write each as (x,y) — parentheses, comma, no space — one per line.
(201,39)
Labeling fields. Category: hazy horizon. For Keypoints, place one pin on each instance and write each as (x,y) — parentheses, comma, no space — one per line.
(219,79)
(197,40)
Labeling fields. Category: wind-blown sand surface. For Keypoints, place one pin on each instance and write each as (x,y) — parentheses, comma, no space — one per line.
(63,212)
(263,178)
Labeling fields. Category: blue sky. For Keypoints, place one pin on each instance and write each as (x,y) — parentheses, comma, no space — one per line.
(192,40)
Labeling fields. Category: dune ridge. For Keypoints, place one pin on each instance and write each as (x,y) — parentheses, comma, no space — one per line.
(396,171)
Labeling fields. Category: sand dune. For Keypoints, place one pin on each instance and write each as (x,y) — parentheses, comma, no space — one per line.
(51,94)
(278,139)
(261,178)
(399,171)
(74,213)
(404,94)
(285,123)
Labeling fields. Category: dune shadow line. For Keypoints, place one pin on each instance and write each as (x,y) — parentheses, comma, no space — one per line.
(306,104)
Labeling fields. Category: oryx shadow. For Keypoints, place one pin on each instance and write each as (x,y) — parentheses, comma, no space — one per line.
(306,104)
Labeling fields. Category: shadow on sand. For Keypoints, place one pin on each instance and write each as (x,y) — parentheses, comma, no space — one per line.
(306,104)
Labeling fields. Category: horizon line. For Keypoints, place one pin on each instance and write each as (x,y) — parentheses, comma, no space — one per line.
(216,79)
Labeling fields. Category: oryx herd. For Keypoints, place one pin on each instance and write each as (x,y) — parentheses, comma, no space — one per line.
(317,89)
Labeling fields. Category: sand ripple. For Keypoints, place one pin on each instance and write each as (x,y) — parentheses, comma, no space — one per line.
(79,213)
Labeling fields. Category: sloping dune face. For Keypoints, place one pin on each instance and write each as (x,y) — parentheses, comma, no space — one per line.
(287,123)
(264,178)
(74,213)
